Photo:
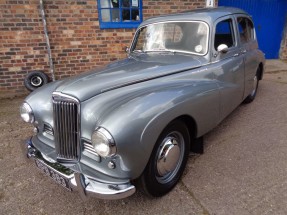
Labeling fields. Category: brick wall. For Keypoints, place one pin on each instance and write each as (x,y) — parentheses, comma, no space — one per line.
(77,43)
(22,45)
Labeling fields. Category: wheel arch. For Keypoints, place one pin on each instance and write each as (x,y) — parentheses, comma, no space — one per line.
(260,72)
(190,123)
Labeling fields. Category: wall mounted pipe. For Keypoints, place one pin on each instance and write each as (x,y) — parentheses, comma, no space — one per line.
(51,64)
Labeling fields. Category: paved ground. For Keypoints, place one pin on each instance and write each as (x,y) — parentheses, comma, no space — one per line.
(243,169)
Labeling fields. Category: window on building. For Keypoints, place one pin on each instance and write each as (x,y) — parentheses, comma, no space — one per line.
(120,13)
(246,29)
(224,34)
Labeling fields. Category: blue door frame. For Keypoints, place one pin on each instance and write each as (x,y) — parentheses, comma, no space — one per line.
(269,18)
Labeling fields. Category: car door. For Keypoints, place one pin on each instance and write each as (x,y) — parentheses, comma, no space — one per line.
(248,47)
(229,65)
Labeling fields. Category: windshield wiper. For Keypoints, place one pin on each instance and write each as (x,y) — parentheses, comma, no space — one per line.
(161,50)
(138,51)
(154,50)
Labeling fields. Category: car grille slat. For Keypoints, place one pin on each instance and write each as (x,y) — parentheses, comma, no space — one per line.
(66,128)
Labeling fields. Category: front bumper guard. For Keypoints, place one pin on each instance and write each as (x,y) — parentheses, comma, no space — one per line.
(87,187)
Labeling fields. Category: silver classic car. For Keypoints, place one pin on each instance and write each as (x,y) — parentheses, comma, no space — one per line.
(134,122)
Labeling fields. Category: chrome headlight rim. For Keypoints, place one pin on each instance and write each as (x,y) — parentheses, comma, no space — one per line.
(109,142)
(25,109)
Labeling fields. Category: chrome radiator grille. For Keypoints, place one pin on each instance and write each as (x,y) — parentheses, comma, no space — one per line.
(66,127)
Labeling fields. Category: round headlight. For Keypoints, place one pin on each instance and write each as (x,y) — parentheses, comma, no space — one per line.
(26,113)
(103,142)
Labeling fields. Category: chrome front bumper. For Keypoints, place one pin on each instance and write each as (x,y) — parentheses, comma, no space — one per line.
(87,187)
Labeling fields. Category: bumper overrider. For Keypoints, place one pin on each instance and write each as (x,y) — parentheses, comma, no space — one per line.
(87,187)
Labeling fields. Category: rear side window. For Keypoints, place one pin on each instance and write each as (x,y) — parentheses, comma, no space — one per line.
(246,29)
(224,34)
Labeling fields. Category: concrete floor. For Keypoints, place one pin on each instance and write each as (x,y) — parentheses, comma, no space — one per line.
(243,169)
(275,66)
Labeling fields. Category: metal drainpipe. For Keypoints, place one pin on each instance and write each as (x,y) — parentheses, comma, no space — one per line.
(47,40)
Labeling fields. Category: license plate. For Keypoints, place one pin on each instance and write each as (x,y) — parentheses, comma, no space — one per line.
(52,174)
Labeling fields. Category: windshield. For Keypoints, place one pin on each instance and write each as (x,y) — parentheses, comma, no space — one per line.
(187,37)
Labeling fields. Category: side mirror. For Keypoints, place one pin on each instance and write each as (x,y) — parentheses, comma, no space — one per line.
(222,48)
(127,49)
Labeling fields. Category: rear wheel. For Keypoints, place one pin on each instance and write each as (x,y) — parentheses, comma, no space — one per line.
(253,93)
(167,161)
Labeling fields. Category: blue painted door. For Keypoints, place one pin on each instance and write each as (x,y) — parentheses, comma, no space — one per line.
(269,18)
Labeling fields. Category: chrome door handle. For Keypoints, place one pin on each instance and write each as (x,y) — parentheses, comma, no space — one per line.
(243,51)
(235,55)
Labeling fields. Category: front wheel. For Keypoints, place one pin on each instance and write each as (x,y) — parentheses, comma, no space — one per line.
(167,161)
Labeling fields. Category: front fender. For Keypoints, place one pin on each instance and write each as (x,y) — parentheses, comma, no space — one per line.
(135,117)
(40,101)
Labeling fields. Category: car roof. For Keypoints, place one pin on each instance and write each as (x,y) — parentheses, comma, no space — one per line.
(208,15)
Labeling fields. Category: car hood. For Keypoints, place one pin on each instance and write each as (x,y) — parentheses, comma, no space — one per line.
(134,69)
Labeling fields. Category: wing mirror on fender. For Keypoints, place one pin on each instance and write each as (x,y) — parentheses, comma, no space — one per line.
(222,48)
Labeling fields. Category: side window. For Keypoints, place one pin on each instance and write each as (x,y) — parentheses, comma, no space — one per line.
(224,34)
(246,29)
(250,29)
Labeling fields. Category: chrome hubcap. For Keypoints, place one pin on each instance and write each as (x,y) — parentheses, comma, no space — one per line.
(36,81)
(169,157)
